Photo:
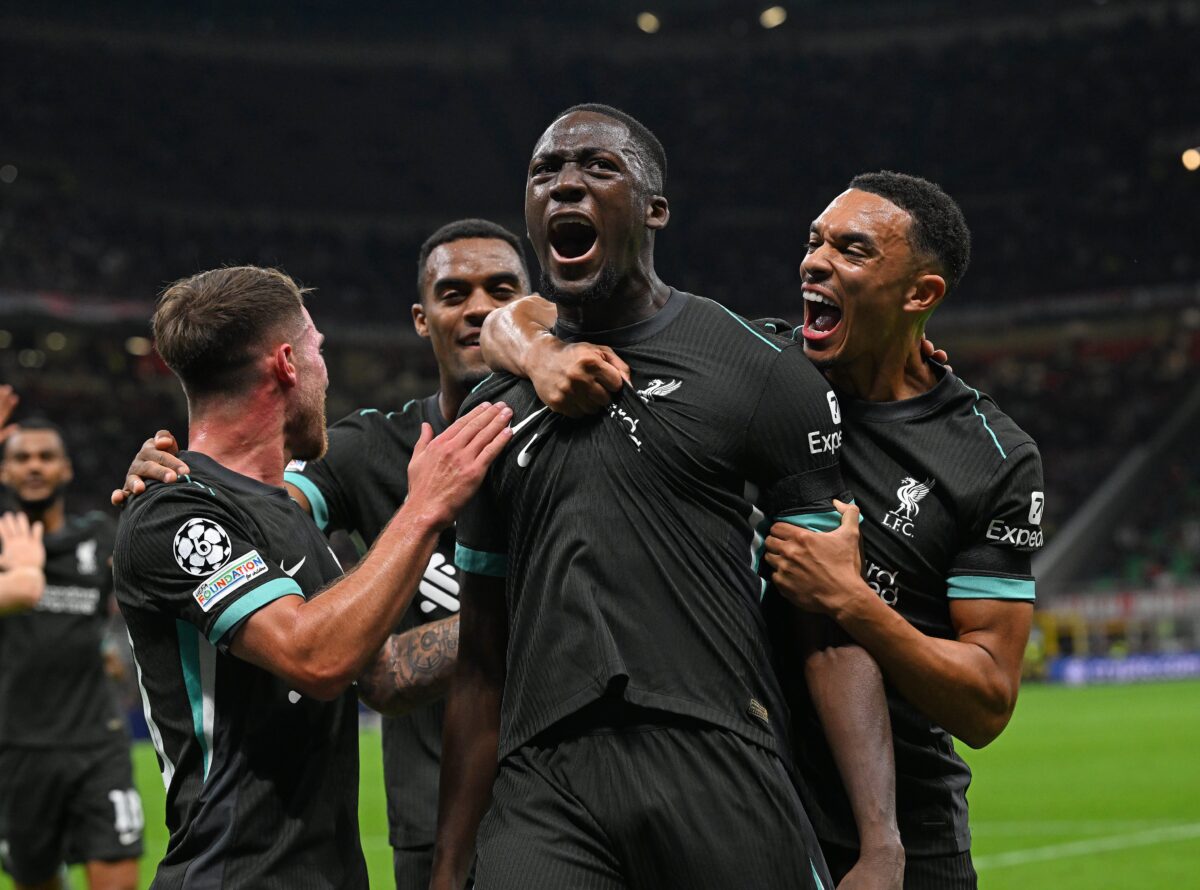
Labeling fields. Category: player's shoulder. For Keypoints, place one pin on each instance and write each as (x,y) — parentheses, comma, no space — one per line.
(402,426)
(992,424)
(166,500)
(737,331)
(515,391)
(991,451)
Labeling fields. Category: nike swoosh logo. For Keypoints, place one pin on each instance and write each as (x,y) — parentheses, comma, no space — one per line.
(291,573)
(524,458)
(520,426)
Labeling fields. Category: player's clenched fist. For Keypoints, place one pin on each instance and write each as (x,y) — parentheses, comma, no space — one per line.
(446,471)
(575,379)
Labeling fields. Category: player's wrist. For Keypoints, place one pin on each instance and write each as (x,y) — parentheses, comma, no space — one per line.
(426,516)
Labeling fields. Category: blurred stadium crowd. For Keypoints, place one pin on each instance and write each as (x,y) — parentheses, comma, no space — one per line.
(134,158)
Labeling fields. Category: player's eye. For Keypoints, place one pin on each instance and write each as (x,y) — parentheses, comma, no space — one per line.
(602,164)
(541,168)
(812,245)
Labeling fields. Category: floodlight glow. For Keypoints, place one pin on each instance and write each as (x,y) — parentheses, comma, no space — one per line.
(648,22)
(1191,159)
(138,346)
(773,17)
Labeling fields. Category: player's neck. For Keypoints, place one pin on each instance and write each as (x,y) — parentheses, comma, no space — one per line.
(53,516)
(245,437)
(640,296)
(887,375)
(451,395)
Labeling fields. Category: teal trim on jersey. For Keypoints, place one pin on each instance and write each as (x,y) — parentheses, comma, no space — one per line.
(817,522)
(407,405)
(365,411)
(188,480)
(986,426)
(742,322)
(316,500)
(816,877)
(482,382)
(494,565)
(987,587)
(189,656)
(251,603)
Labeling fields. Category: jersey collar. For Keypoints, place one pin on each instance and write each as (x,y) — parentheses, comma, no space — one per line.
(905,409)
(206,466)
(630,334)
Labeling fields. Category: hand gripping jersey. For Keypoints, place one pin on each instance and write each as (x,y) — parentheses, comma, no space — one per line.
(53,688)
(262,782)
(951,496)
(356,487)
(630,540)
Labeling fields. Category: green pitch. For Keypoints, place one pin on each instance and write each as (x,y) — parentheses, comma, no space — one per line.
(1088,788)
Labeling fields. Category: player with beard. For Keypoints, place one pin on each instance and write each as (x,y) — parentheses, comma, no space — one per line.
(245,672)
(950,490)
(66,783)
(465,270)
(614,660)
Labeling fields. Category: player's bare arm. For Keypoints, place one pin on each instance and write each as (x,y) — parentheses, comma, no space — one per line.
(472,729)
(324,644)
(574,379)
(846,687)
(968,684)
(22,559)
(414,668)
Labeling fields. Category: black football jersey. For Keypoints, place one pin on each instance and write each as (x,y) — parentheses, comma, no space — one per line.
(631,540)
(951,496)
(53,688)
(356,487)
(262,782)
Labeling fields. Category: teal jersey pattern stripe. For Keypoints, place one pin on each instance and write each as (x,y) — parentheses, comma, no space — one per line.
(817,522)
(316,500)
(494,565)
(986,425)
(251,603)
(743,323)
(987,587)
(199,679)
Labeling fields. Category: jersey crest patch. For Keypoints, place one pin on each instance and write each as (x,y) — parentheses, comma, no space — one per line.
(85,557)
(910,494)
(229,579)
(201,546)
(658,388)
(295,466)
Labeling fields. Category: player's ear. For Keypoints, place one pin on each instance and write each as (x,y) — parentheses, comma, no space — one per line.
(283,365)
(658,213)
(420,322)
(926,293)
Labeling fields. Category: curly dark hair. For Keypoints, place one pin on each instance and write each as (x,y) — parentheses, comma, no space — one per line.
(939,229)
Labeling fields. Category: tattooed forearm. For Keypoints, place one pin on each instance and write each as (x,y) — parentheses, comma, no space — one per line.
(412,669)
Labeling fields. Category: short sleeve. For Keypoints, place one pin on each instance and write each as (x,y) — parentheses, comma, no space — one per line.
(996,561)
(189,556)
(329,481)
(482,533)
(792,445)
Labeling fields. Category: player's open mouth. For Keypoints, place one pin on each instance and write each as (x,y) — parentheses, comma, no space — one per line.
(822,316)
(471,341)
(572,239)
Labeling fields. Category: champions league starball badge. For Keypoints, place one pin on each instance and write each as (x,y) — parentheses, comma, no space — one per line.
(201,546)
